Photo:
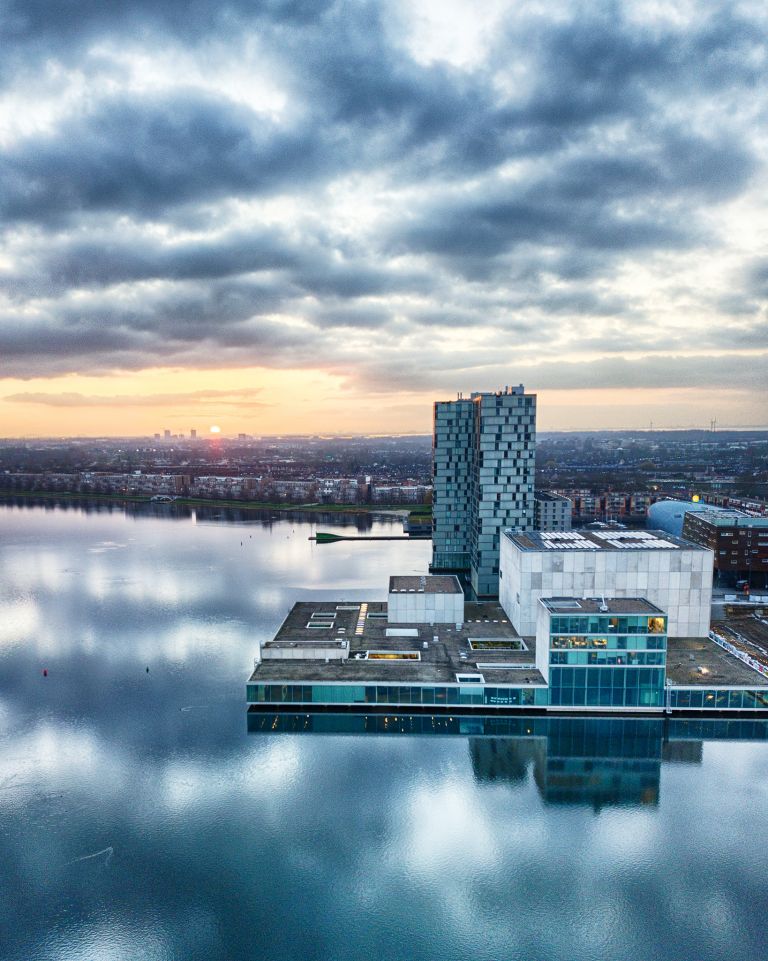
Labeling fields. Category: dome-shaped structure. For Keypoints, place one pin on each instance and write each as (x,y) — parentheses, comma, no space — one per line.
(669,515)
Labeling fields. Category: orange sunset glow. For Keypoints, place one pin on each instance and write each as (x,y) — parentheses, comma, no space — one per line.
(260,401)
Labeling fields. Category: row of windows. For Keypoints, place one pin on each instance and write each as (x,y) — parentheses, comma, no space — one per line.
(732,700)
(393,694)
(603,697)
(596,677)
(574,687)
(595,624)
(609,658)
(617,642)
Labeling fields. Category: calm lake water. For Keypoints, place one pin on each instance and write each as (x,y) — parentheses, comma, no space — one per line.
(140,819)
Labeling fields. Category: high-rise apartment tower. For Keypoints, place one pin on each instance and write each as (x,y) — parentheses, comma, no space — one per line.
(483,470)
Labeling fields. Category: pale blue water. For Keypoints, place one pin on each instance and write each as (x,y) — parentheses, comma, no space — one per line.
(139,819)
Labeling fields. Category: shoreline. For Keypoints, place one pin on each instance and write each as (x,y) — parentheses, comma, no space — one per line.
(391,510)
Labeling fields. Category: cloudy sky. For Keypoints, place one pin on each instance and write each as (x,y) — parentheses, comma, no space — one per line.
(300,215)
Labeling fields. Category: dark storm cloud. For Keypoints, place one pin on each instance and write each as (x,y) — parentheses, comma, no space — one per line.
(34,31)
(114,260)
(141,157)
(210,326)
(306,265)
(585,203)
(505,199)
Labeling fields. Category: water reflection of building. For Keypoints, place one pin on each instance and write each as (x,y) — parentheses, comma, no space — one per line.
(580,760)
(682,752)
(502,759)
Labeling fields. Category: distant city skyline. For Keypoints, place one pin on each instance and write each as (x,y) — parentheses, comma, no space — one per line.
(281,218)
(146,403)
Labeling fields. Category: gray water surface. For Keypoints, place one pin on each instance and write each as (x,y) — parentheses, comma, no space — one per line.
(140,819)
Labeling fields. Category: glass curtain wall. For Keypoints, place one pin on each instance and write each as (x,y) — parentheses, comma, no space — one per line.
(607,660)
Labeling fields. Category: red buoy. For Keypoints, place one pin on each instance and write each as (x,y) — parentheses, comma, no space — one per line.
(45,672)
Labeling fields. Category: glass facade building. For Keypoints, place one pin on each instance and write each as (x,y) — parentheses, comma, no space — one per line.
(609,688)
(592,655)
(717,699)
(452,455)
(398,695)
(483,466)
(615,660)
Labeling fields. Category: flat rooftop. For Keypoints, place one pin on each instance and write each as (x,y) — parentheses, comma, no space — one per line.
(747,631)
(497,655)
(598,605)
(699,662)
(603,540)
(731,518)
(426,584)
(365,626)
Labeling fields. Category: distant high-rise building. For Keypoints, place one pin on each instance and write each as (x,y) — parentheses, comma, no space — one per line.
(167,434)
(551,512)
(193,434)
(483,469)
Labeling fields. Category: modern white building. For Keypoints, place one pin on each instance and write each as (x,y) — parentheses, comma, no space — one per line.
(433,599)
(483,469)
(551,512)
(671,573)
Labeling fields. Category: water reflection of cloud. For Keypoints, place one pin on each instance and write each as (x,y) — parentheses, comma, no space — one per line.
(53,756)
(225,843)
(445,822)
(105,546)
(19,620)
(624,836)
(111,937)
(267,775)
(33,571)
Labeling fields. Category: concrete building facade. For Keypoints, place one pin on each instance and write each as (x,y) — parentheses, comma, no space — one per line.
(435,599)
(671,573)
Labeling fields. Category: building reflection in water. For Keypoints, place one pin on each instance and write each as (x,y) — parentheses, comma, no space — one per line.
(584,760)
(591,761)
